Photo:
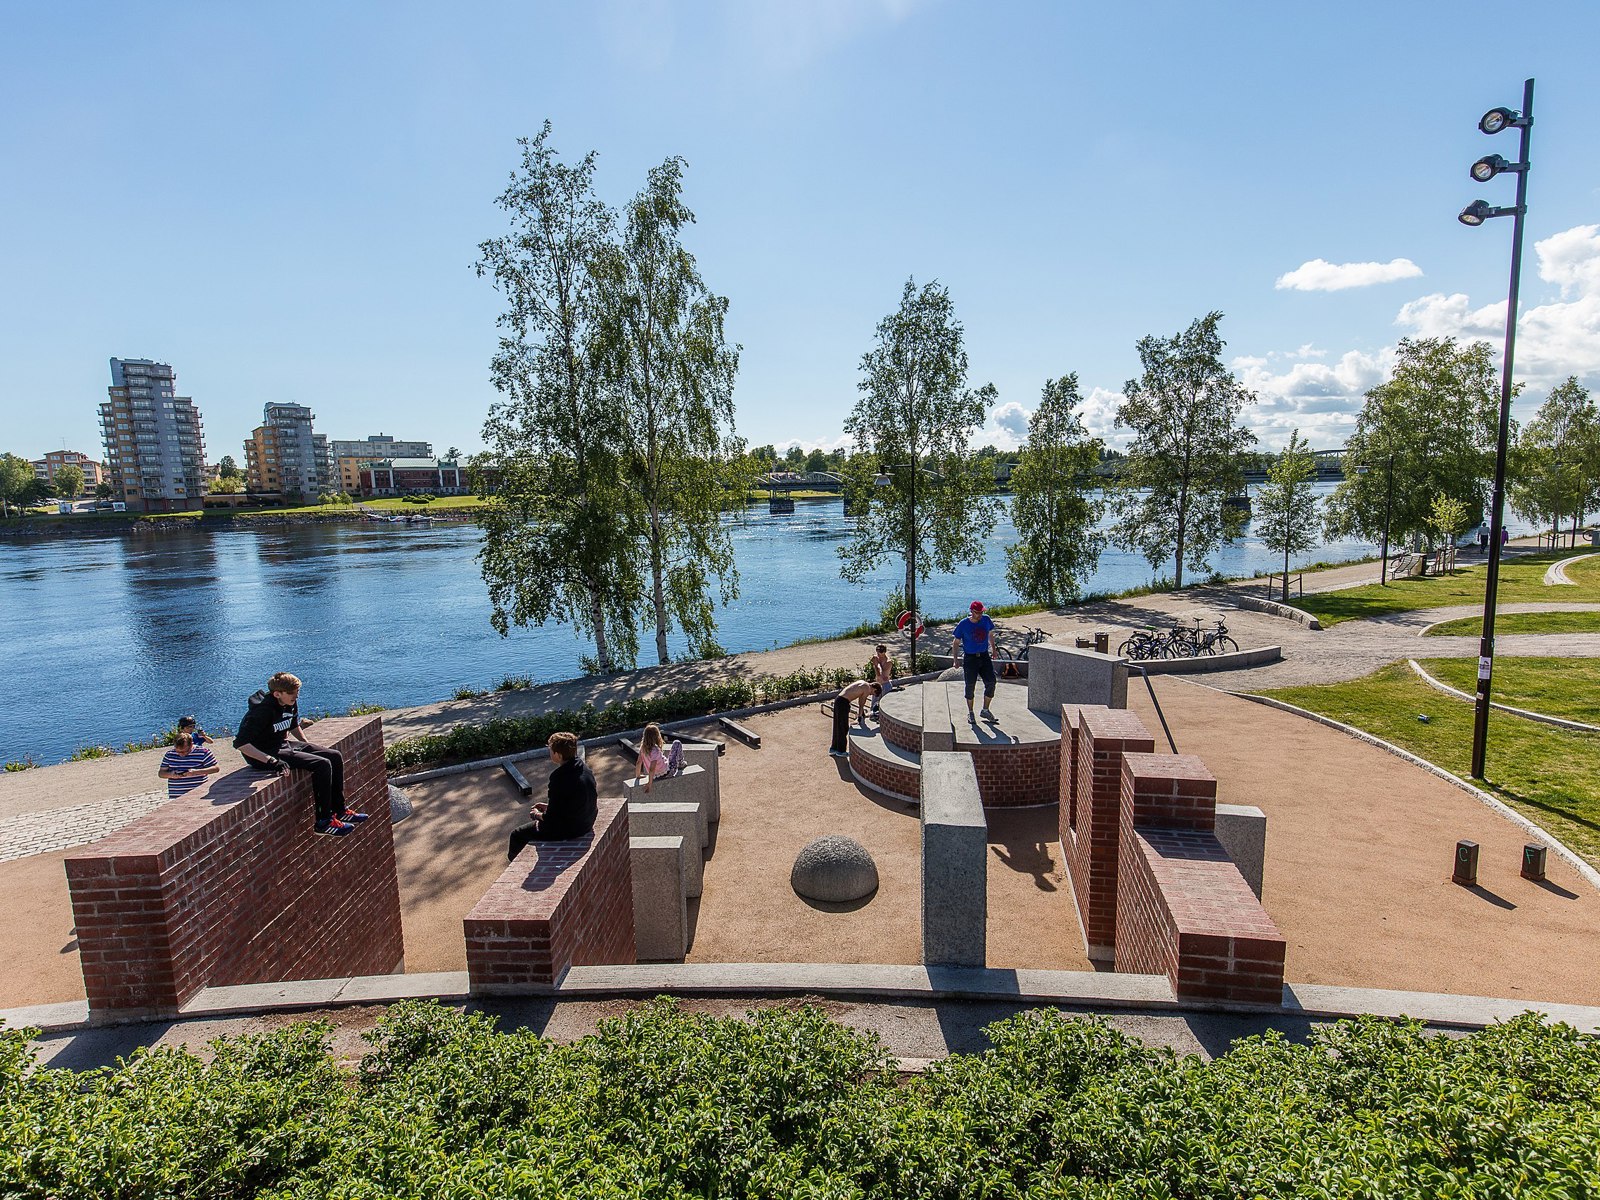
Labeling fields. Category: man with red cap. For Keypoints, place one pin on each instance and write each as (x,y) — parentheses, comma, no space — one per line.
(970,642)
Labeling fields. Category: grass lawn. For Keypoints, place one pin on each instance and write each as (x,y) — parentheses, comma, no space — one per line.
(397,504)
(1521,578)
(1551,622)
(1557,687)
(1549,775)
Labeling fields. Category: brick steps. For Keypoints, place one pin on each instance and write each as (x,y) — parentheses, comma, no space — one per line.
(887,768)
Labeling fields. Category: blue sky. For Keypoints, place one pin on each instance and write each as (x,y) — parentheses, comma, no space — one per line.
(284,202)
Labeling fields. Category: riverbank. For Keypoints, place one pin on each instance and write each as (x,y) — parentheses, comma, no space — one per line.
(103,524)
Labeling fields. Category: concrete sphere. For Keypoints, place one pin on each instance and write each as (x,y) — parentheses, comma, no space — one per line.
(835,870)
(399,806)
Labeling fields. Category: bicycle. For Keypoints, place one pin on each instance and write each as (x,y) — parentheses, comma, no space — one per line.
(1143,645)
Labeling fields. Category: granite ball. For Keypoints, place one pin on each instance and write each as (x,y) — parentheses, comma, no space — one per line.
(834,870)
(399,806)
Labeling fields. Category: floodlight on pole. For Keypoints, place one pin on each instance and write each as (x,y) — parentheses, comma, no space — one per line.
(1495,120)
(1490,165)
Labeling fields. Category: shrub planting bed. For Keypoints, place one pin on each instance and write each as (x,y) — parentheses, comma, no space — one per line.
(788,1104)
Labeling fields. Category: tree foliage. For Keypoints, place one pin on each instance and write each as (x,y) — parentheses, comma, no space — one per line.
(1447,518)
(918,491)
(560,530)
(1285,509)
(68,481)
(670,372)
(1184,461)
(1054,504)
(1433,423)
(227,468)
(1555,465)
(16,482)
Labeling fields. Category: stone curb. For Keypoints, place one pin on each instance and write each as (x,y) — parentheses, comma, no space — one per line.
(484,764)
(1556,574)
(1273,608)
(1525,713)
(1089,990)
(1563,851)
(1236,660)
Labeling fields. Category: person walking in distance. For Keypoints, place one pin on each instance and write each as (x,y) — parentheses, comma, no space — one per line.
(971,643)
(271,738)
(853,693)
(571,806)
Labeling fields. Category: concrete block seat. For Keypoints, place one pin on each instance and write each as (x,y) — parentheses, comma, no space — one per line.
(1017,754)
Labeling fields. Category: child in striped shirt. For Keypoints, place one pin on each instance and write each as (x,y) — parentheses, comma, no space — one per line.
(186,766)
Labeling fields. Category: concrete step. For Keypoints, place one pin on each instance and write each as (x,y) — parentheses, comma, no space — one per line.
(885,768)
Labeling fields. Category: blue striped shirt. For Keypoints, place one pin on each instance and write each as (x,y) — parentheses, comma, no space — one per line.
(197,759)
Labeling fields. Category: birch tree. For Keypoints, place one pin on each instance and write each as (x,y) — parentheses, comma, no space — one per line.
(1054,506)
(1286,508)
(930,502)
(559,531)
(1185,458)
(671,372)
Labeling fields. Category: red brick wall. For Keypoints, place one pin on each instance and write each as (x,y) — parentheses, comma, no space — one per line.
(229,885)
(1103,736)
(559,905)
(891,777)
(1018,776)
(898,733)
(1183,910)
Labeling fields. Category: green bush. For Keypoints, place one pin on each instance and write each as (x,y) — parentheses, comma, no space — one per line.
(513,735)
(514,683)
(785,1103)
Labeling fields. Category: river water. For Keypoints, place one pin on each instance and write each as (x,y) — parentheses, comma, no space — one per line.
(112,638)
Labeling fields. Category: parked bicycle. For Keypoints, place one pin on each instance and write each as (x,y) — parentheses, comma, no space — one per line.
(1015,646)
(1180,641)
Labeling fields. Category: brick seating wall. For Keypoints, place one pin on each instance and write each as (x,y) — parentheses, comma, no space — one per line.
(559,905)
(1103,735)
(1183,909)
(897,733)
(901,780)
(1018,776)
(230,885)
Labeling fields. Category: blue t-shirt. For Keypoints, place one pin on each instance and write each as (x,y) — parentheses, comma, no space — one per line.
(974,634)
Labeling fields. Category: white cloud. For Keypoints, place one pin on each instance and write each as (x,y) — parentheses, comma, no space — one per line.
(1100,417)
(1318,399)
(1319,275)
(1554,340)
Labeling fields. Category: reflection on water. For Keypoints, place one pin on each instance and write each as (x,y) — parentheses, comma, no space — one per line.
(115,637)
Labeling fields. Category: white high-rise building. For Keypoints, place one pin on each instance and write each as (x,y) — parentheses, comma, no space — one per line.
(154,439)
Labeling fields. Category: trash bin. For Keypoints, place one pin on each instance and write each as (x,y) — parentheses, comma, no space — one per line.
(1102,643)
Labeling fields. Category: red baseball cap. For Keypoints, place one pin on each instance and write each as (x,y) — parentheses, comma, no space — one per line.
(977,606)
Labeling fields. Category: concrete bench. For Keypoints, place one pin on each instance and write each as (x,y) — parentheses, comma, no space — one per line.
(558,905)
(693,785)
(230,885)
(1059,675)
(708,759)
(955,862)
(660,912)
(673,820)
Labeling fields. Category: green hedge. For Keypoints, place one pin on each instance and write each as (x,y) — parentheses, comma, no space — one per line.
(512,735)
(661,1103)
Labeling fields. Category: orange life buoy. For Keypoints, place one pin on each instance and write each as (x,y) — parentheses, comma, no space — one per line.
(905,619)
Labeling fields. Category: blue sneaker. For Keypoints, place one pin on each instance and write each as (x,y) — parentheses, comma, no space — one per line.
(335,827)
(351,817)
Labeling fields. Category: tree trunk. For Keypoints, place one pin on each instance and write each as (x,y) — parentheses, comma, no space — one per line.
(658,595)
(602,652)
(1286,571)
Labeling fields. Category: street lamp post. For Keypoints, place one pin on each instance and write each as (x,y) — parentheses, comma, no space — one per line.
(1485,169)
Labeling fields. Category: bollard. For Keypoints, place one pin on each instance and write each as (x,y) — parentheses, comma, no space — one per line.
(1533,856)
(1466,871)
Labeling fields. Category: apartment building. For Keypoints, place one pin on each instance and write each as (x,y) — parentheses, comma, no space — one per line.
(286,456)
(94,473)
(400,476)
(379,447)
(154,439)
